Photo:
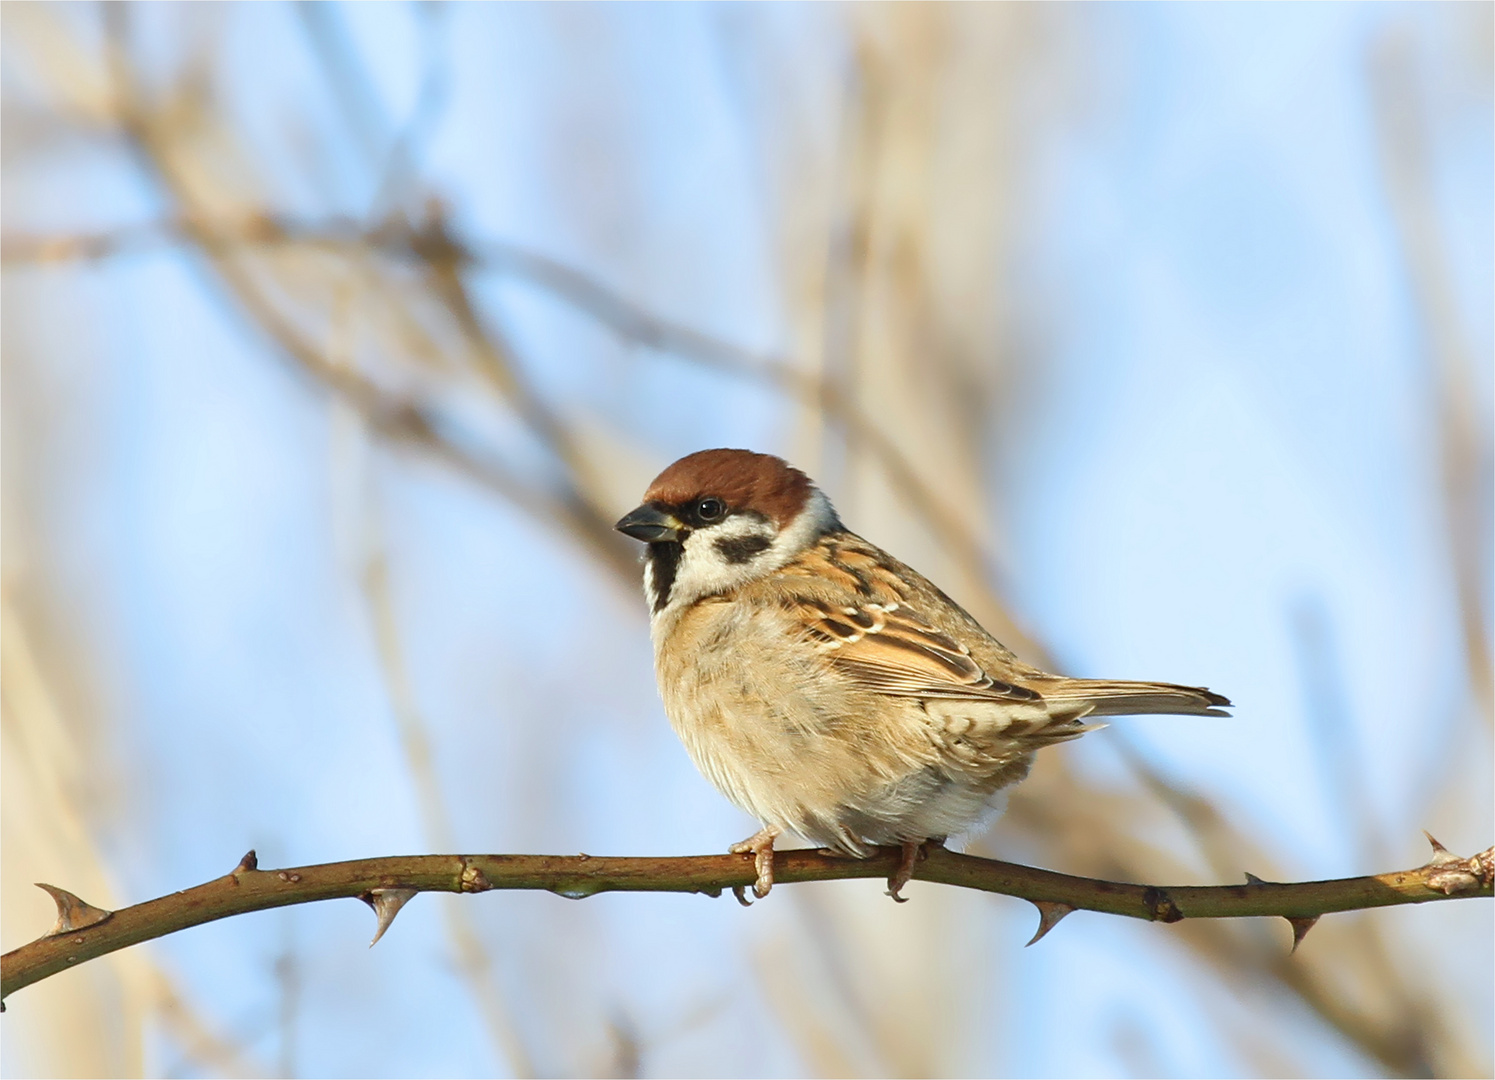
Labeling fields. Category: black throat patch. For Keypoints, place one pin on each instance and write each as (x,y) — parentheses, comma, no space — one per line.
(664,563)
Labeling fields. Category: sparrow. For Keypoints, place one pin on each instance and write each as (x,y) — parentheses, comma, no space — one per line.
(826,688)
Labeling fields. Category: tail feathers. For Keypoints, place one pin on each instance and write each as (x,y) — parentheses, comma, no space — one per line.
(1091,698)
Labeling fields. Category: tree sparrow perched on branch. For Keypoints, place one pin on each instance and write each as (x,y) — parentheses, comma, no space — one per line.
(826,688)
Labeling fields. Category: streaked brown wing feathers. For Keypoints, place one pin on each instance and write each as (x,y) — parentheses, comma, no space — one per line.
(890,649)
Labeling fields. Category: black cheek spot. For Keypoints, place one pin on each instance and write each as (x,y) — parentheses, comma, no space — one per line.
(739,549)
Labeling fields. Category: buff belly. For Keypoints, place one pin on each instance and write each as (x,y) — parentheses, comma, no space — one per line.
(798,748)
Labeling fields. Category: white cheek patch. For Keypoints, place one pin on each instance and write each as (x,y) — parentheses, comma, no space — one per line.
(744,548)
(723,557)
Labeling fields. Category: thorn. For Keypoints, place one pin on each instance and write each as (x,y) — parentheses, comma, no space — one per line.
(72,913)
(1049,914)
(1450,874)
(386,904)
(1301,925)
(249,862)
(1252,879)
(1441,855)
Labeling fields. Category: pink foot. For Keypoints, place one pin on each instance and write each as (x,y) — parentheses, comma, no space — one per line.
(761,845)
(913,851)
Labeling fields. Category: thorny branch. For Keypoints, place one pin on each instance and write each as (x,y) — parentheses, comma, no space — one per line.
(84,932)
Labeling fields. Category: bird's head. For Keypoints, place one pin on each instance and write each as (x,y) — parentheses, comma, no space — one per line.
(718,519)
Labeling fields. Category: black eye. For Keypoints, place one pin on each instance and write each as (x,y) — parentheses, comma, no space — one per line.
(710,508)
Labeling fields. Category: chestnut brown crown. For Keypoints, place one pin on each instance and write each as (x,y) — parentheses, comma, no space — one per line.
(744,480)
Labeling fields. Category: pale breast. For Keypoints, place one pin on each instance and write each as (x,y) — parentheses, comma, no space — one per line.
(768,721)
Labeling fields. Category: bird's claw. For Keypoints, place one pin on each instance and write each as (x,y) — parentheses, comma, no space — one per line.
(913,851)
(761,845)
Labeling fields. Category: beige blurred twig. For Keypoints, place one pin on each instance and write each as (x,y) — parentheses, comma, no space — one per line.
(39,739)
(1464,452)
(564,501)
(445,256)
(1402,1045)
(468,950)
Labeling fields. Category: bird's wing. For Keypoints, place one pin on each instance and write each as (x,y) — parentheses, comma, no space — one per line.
(870,616)
(891,649)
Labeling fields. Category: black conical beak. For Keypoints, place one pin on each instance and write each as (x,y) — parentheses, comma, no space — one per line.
(650,524)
